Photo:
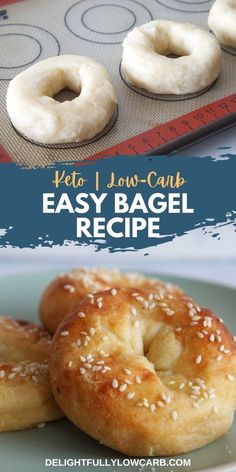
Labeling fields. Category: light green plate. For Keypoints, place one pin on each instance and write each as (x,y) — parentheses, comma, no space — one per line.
(26,451)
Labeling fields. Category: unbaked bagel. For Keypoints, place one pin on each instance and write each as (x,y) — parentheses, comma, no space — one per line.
(25,394)
(34,112)
(157,375)
(222,21)
(145,63)
(66,290)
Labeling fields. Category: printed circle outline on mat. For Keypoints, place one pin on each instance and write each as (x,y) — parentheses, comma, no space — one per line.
(164,97)
(134,19)
(229,50)
(48,43)
(96,138)
(22,35)
(191,7)
(72,20)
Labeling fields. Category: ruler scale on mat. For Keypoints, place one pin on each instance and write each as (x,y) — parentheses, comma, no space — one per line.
(31,31)
(180,132)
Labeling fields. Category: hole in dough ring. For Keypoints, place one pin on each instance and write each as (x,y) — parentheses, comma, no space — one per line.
(145,64)
(222,21)
(36,115)
(25,394)
(134,374)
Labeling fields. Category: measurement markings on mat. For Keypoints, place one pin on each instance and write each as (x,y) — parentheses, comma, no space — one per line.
(179,132)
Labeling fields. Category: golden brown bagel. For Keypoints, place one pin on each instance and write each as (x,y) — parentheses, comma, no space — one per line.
(66,290)
(25,395)
(145,373)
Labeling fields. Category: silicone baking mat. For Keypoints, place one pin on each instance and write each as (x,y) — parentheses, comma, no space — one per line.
(32,30)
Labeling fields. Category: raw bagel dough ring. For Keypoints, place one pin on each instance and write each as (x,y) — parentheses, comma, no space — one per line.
(36,115)
(135,374)
(25,394)
(145,65)
(222,21)
(66,290)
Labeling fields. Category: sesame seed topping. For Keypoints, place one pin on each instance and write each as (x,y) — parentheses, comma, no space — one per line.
(69,287)
(198,359)
(123,387)
(11,376)
(130,395)
(127,371)
(81,314)
(92,331)
(174,415)
(138,380)
(212,338)
(221,348)
(41,425)
(181,386)
(178,330)
(100,305)
(115,383)
(219,357)
(160,404)
(230,377)
(2,374)
(152,407)
(200,335)
(82,370)
(70,364)
(133,311)
(64,333)
(113,292)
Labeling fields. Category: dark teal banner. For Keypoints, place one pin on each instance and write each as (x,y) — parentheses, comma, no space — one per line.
(121,203)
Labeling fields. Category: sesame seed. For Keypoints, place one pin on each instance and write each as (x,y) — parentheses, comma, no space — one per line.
(133,311)
(92,331)
(200,335)
(70,364)
(113,292)
(172,382)
(87,365)
(212,338)
(64,333)
(78,343)
(81,314)
(123,387)
(221,348)
(178,330)
(2,374)
(127,371)
(174,415)
(130,395)
(160,404)
(219,338)
(152,407)
(100,362)
(219,357)
(230,377)
(181,386)
(41,425)
(82,370)
(115,383)
(100,305)
(138,380)
(198,359)
(83,359)
(11,376)
(70,288)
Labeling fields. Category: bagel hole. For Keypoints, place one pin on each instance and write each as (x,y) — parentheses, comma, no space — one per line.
(66,95)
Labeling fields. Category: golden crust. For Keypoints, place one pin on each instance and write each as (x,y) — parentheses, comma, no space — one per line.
(25,394)
(66,290)
(145,372)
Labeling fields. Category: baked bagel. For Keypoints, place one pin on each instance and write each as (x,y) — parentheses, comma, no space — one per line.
(25,394)
(156,375)
(66,290)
